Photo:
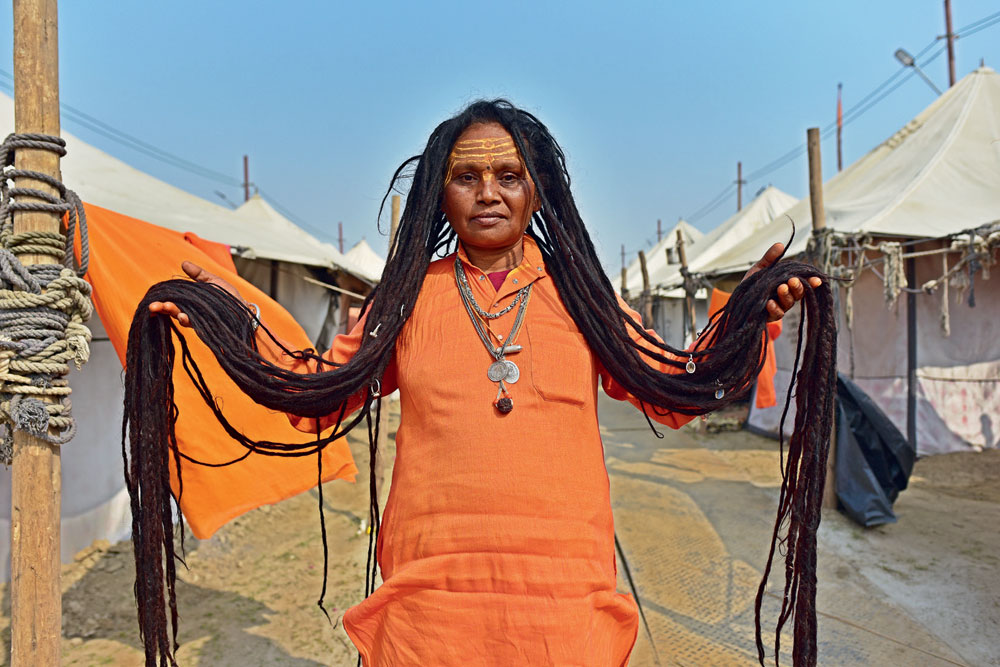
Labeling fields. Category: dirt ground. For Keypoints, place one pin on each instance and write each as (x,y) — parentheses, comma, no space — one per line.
(248,597)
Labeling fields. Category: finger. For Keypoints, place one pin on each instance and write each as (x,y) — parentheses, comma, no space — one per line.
(155,307)
(774,311)
(785,298)
(196,272)
(183,320)
(796,287)
(815,282)
(772,255)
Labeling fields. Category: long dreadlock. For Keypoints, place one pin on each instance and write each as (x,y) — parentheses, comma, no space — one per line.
(728,357)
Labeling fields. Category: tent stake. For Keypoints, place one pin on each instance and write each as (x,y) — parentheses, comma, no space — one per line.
(36,605)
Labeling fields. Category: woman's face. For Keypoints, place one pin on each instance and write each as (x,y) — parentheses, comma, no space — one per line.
(488,195)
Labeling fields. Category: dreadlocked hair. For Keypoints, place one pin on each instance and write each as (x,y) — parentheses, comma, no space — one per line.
(728,356)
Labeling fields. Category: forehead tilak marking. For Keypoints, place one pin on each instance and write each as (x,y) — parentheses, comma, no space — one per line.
(480,151)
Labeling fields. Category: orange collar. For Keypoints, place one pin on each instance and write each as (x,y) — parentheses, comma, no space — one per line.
(529,270)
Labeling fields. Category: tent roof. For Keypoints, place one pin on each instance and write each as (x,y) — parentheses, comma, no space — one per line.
(105,181)
(767,205)
(936,176)
(656,257)
(261,218)
(363,257)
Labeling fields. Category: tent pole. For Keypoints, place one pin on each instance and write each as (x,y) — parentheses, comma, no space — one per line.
(818,225)
(36,484)
(688,298)
(911,354)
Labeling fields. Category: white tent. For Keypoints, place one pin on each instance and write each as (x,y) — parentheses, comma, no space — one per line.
(95,503)
(665,276)
(365,259)
(939,176)
(662,259)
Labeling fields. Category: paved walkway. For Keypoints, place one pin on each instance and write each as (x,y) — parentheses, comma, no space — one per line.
(694,513)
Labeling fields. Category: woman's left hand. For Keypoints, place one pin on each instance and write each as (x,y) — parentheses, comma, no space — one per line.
(788,293)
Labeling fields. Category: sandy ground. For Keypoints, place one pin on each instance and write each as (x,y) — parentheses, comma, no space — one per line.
(693,513)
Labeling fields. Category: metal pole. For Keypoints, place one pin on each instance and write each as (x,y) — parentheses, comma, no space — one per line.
(818,224)
(911,354)
(246,178)
(739,186)
(950,36)
(659,230)
(340,236)
(840,128)
(36,483)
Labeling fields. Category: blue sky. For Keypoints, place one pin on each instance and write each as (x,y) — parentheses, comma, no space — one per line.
(654,102)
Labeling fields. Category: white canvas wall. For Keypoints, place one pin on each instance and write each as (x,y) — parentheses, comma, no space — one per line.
(958,397)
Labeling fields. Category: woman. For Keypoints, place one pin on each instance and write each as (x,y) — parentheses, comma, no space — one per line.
(497,545)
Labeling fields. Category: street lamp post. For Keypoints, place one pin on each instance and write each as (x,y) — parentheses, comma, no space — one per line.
(904,57)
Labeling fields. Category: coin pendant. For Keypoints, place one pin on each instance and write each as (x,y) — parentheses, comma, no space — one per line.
(497,371)
(513,372)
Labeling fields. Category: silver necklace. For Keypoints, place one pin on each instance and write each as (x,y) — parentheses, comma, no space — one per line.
(502,370)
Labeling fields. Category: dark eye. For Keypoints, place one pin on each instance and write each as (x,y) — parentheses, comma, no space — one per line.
(467,177)
(509,177)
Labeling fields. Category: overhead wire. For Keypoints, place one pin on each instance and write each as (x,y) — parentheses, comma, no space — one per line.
(858,109)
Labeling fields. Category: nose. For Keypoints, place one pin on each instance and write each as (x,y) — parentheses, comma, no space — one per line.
(489,192)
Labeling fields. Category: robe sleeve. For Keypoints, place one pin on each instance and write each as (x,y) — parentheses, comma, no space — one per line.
(341,351)
(615,390)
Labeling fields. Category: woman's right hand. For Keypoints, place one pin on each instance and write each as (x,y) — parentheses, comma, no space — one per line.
(199,274)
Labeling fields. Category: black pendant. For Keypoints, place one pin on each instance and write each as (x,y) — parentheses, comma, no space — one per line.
(504,405)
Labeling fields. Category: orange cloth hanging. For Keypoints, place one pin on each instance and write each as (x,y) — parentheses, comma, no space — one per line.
(766,397)
(126,257)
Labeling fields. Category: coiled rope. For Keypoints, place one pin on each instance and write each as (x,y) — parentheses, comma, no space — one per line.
(42,306)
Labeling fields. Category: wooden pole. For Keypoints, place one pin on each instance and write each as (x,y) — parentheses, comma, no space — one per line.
(950,36)
(36,484)
(659,230)
(688,298)
(647,301)
(815,180)
(818,224)
(340,236)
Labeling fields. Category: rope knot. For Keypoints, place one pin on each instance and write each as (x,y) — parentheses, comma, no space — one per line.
(29,414)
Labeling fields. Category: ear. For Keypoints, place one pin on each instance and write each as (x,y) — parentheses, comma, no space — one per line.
(536,202)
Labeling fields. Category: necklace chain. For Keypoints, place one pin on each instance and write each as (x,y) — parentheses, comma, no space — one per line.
(467,295)
(472,309)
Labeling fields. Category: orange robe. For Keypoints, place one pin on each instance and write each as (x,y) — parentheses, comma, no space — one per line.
(497,541)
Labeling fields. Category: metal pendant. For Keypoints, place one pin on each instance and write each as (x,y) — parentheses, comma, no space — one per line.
(497,371)
(513,372)
(719,393)
(690,365)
